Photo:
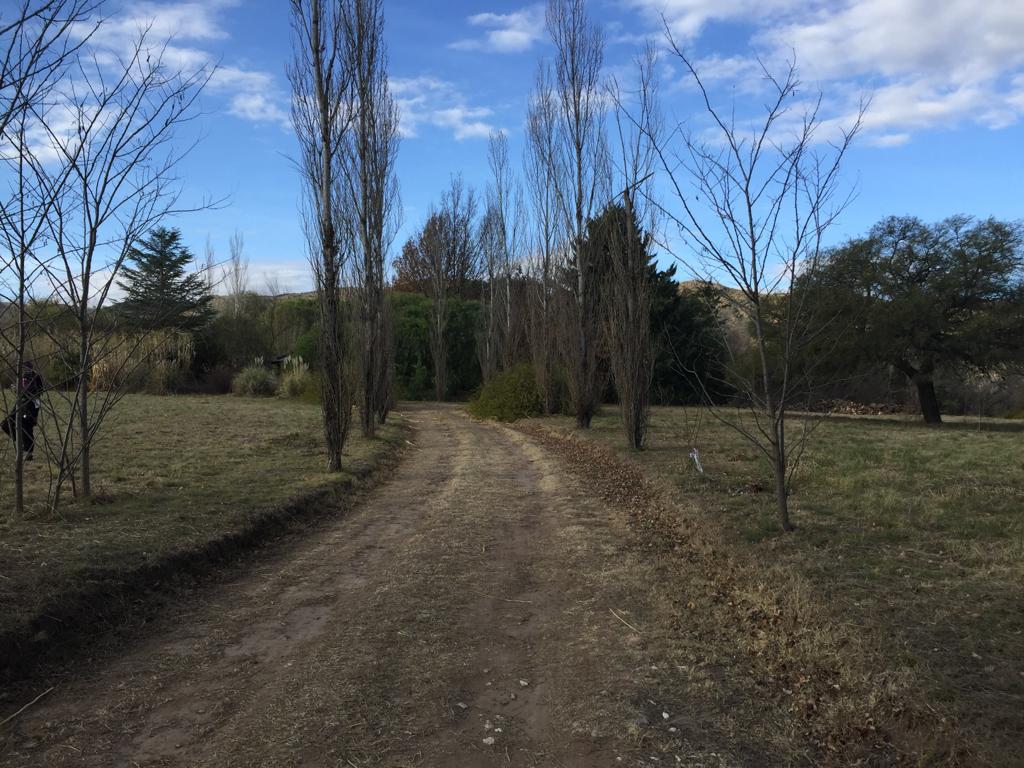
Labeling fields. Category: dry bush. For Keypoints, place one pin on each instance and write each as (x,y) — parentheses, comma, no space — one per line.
(254,381)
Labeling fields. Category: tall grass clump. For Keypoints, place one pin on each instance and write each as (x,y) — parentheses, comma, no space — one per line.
(296,379)
(509,396)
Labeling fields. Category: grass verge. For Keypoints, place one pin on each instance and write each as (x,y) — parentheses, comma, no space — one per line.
(181,484)
(889,624)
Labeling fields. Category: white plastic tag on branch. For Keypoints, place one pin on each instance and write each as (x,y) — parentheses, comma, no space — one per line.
(695,455)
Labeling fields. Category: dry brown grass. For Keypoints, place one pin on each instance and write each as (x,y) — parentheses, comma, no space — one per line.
(885,626)
(177,480)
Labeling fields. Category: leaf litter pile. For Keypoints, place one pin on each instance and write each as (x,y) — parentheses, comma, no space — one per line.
(818,686)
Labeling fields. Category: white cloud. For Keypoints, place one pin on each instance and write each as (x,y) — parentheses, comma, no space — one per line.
(891,139)
(258,108)
(427,100)
(184,20)
(687,18)
(505,32)
(181,34)
(957,40)
(235,78)
(925,64)
(1016,95)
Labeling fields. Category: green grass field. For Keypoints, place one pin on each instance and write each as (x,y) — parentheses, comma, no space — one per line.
(171,474)
(912,536)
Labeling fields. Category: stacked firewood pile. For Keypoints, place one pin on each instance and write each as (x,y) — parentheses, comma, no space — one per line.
(850,408)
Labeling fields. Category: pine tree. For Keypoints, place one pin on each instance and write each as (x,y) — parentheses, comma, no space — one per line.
(159,294)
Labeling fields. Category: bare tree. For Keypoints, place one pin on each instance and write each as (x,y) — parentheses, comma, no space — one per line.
(490,246)
(37,40)
(435,254)
(236,273)
(210,264)
(371,191)
(754,207)
(444,253)
(540,162)
(37,44)
(577,169)
(23,222)
(627,314)
(321,116)
(449,256)
(121,152)
(505,203)
(628,290)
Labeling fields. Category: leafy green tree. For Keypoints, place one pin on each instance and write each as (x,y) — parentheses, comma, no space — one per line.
(159,292)
(464,374)
(414,365)
(927,298)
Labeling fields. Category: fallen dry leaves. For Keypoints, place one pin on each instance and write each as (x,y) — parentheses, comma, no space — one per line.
(843,701)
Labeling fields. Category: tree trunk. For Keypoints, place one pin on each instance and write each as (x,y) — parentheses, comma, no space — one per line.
(83,428)
(928,399)
(84,370)
(584,403)
(782,495)
(637,423)
(19,464)
(370,392)
(923,379)
(335,397)
(547,365)
(19,448)
(440,354)
(583,418)
(779,462)
(440,379)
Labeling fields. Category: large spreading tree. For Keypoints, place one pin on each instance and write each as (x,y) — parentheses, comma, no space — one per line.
(929,297)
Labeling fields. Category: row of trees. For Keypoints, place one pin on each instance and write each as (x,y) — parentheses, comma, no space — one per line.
(746,206)
(561,250)
(557,253)
(346,122)
(544,292)
(519,320)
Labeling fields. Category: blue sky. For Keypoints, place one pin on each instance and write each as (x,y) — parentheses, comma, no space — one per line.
(944,135)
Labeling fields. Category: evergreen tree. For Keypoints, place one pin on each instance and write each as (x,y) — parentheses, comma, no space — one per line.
(159,294)
(687,359)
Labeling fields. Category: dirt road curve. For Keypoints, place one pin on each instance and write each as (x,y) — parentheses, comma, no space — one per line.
(461,616)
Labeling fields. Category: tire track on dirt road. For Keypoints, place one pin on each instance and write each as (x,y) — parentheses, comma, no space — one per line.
(458,617)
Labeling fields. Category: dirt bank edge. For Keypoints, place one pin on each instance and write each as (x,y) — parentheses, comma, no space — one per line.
(117,599)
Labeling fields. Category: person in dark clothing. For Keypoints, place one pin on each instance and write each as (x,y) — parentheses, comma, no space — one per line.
(29,389)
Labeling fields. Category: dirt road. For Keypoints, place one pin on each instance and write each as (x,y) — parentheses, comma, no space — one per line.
(476,610)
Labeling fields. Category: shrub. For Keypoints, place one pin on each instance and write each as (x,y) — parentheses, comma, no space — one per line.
(254,381)
(307,346)
(164,378)
(509,396)
(61,372)
(217,381)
